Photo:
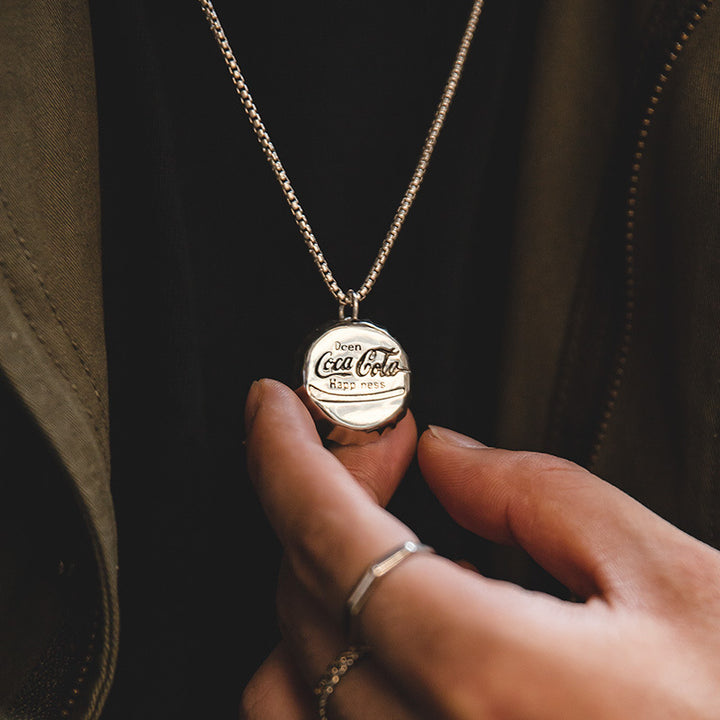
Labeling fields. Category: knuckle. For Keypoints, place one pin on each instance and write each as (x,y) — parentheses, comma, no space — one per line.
(550,480)
(548,486)
(542,466)
(316,547)
(690,580)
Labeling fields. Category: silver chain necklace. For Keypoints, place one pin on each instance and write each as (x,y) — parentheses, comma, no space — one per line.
(356,377)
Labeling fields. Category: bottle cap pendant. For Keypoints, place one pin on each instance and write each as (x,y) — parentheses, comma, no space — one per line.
(355,381)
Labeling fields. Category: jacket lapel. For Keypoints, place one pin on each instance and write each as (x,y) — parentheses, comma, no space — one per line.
(51,325)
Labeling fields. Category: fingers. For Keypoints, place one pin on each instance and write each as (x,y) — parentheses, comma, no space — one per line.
(425,609)
(459,643)
(281,689)
(587,533)
(314,643)
(379,466)
(330,526)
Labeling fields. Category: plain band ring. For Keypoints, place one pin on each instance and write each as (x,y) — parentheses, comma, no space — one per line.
(332,676)
(359,596)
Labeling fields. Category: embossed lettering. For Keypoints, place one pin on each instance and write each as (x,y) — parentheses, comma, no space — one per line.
(327,365)
(378,361)
(349,347)
(341,384)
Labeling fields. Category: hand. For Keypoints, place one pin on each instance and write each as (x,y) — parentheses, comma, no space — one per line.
(448,643)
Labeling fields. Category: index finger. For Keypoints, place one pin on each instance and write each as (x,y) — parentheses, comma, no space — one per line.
(328,524)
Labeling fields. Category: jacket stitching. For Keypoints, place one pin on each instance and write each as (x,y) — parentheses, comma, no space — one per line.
(41,339)
(51,304)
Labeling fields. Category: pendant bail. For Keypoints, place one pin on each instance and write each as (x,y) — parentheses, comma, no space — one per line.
(354,302)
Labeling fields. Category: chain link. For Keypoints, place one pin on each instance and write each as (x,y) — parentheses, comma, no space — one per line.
(349,297)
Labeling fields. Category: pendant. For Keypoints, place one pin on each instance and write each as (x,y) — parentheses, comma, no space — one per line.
(355,381)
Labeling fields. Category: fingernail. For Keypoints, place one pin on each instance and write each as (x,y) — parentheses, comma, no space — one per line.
(454,438)
(252,404)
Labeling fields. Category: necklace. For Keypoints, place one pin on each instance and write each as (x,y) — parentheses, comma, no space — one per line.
(355,375)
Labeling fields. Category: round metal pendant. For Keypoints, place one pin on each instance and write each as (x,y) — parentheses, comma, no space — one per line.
(356,377)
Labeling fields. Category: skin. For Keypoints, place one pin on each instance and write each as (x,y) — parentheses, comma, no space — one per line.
(445,641)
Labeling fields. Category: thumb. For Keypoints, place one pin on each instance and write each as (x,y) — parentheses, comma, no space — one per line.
(592,537)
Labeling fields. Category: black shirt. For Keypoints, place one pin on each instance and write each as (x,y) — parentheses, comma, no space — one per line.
(208,284)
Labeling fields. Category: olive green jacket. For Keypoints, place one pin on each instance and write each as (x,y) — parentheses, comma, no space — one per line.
(52,353)
(613,354)
(613,347)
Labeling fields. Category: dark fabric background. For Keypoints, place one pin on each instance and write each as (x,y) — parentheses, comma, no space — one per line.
(208,285)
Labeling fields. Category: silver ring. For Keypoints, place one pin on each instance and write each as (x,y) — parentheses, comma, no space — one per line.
(332,676)
(359,596)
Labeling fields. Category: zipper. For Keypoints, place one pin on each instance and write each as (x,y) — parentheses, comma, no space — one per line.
(631,204)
